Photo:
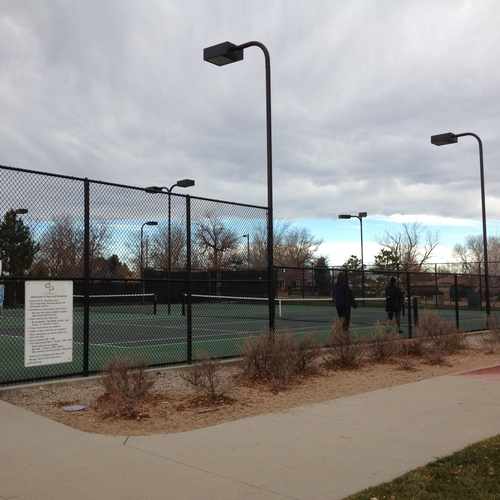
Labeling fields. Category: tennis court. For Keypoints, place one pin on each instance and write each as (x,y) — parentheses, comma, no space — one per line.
(146,331)
(141,329)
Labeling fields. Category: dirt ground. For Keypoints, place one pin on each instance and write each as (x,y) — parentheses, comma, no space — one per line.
(170,408)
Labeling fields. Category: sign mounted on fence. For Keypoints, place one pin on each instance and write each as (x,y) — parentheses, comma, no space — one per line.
(48,315)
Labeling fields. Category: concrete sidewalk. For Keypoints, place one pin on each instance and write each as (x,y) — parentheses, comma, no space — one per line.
(322,451)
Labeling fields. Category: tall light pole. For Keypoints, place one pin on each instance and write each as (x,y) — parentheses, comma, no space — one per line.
(247,236)
(451,138)
(183,183)
(360,216)
(227,53)
(148,223)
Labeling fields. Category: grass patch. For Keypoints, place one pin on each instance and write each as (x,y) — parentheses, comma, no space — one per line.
(470,474)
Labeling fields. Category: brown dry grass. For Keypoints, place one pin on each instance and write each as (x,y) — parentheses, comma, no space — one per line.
(174,407)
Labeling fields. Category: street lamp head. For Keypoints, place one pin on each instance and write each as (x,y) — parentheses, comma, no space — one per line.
(151,223)
(444,139)
(345,216)
(244,235)
(154,189)
(185,183)
(21,211)
(362,215)
(222,54)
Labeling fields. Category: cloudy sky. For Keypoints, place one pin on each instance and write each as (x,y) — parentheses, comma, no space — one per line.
(117,90)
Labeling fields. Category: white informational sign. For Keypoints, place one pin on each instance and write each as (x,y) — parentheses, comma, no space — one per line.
(48,320)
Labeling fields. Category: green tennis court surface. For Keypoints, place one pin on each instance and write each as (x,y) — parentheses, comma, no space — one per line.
(218,329)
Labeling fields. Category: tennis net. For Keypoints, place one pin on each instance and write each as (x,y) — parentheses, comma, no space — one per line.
(315,310)
(145,303)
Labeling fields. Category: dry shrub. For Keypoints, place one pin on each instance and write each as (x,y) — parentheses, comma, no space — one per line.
(489,344)
(308,352)
(440,337)
(126,387)
(344,353)
(415,347)
(206,378)
(491,340)
(278,359)
(435,355)
(406,361)
(385,343)
(431,324)
(455,342)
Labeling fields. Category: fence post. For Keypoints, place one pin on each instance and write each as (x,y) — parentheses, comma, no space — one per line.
(303,281)
(408,290)
(415,311)
(457,318)
(480,290)
(86,276)
(436,300)
(189,312)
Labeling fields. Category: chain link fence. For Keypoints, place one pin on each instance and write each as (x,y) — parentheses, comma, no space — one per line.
(162,278)
(142,265)
(458,298)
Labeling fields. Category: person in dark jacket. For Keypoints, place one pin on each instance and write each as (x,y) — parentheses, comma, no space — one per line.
(344,300)
(394,301)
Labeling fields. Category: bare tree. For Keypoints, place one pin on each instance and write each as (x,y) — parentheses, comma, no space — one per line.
(159,248)
(471,256)
(299,247)
(215,242)
(61,248)
(414,245)
(293,246)
(98,240)
(258,252)
(111,267)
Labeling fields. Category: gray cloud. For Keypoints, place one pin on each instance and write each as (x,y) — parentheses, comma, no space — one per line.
(118,90)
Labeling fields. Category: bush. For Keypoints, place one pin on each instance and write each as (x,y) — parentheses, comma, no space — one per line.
(435,355)
(490,344)
(415,347)
(405,360)
(205,377)
(432,325)
(344,353)
(491,341)
(126,386)
(455,342)
(440,335)
(278,359)
(385,342)
(308,352)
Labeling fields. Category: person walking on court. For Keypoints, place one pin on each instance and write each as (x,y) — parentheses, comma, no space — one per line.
(344,300)
(394,302)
